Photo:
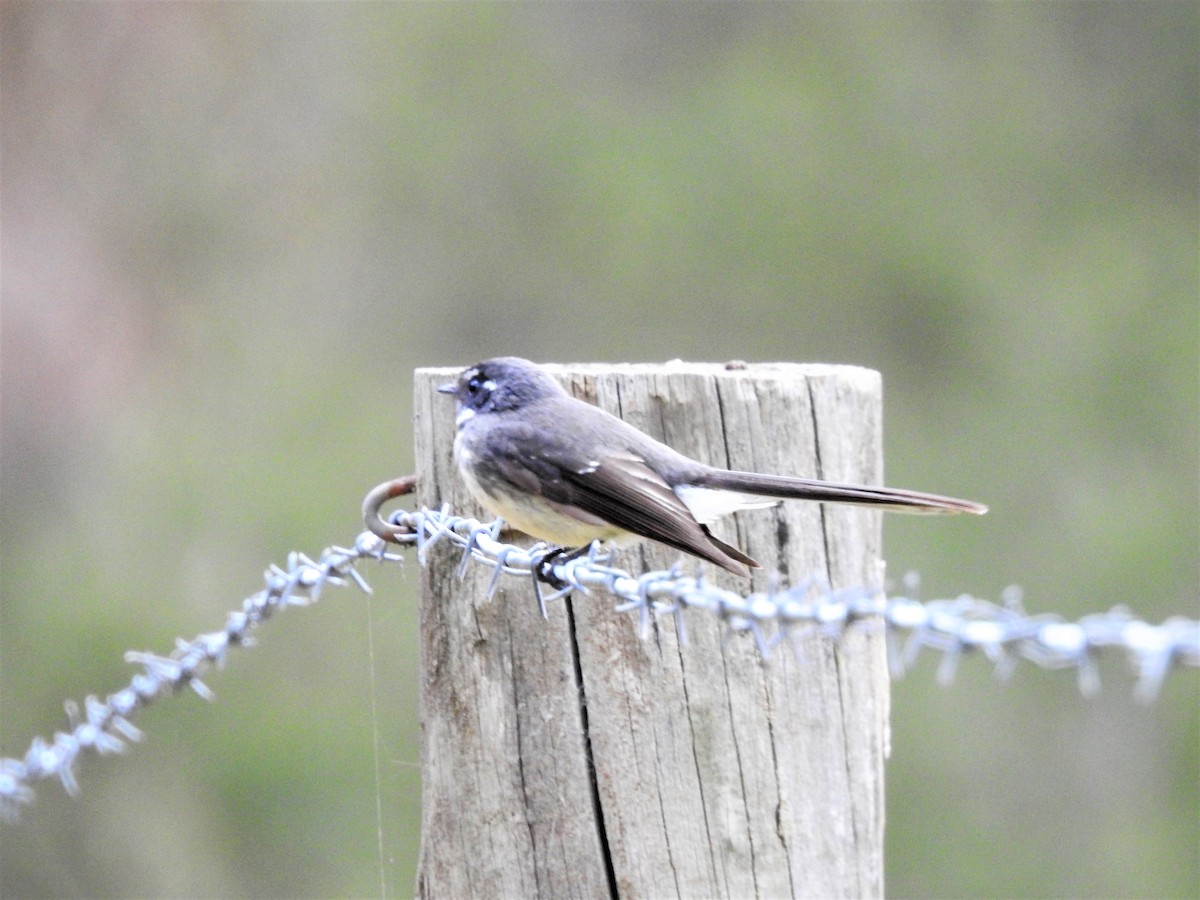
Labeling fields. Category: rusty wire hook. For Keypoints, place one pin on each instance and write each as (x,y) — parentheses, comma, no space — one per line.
(381,494)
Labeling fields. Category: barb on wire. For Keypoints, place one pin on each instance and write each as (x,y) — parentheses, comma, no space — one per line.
(104,726)
(1003,632)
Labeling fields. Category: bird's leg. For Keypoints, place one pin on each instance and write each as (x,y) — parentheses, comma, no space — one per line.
(544,569)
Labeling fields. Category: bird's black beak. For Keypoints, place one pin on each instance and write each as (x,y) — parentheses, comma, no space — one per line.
(447,388)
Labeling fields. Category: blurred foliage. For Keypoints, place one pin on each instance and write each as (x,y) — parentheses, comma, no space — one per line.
(230,232)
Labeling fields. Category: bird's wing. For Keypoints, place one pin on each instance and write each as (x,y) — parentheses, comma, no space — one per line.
(623,490)
(620,489)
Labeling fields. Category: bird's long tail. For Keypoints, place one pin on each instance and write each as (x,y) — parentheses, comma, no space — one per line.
(789,488)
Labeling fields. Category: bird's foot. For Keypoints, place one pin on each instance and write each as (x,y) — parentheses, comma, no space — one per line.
(544,568)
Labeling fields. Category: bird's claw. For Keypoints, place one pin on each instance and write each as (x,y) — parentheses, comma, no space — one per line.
(544,569)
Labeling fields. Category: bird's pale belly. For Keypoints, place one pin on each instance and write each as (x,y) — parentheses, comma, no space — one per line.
(546,520)
(538,517)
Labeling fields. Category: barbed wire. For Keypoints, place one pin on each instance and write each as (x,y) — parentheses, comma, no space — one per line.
(104,726)
(1003,633)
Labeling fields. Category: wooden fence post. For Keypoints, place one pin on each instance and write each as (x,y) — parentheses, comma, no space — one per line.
(569,757)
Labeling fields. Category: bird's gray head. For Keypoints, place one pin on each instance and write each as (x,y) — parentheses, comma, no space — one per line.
(500,384)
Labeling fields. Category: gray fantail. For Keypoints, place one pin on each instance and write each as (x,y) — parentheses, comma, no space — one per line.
(567,472)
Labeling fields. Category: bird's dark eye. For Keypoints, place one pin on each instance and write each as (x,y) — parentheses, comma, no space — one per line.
(474,385)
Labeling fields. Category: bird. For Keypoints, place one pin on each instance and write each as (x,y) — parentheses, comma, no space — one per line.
(568,473)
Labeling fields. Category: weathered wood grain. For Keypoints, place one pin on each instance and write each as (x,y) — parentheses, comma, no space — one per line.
(571,758)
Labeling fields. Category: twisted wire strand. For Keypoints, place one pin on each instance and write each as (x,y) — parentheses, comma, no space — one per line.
(1004,633)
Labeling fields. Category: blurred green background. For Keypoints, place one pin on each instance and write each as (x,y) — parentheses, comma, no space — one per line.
(230,232)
